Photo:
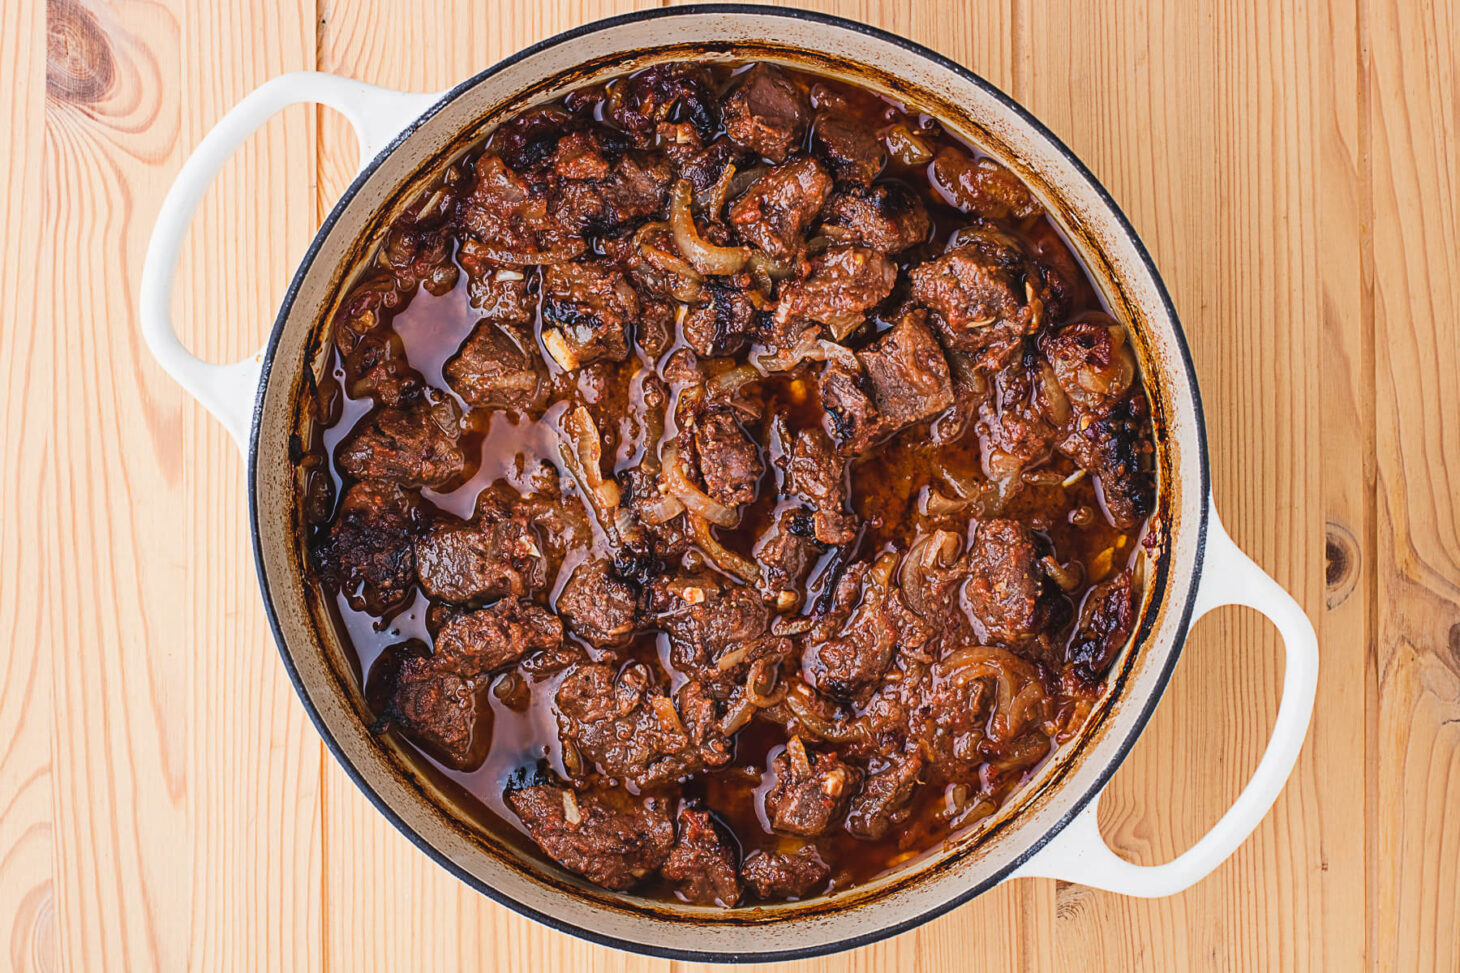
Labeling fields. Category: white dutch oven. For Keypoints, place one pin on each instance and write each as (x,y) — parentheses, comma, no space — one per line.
(1048,829)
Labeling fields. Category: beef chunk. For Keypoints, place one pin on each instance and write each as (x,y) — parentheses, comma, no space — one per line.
(786,875)
(1092,363)
(776,210)
(439,703)
(605,835)
(368,554)
(495,554)
(1007,591)
(493,370)
(645,100)
(1115,450)
(811,790)
(377,367)
(412,446)
(888,217)
(816,473)
(512,223)
(907,372)
(883,800)
(586,312)
(785,553)
(702,862)
(1013,431)
(852,645)
(418,252)
(603,198)
(851,415)
(630,729)
(717,630)
(500,293)
(1107,619)
(730,463)
(766,113)
(840,286)
(982,292)
(725,323)
(851,149)
(982,187)
(525,140)
(598,606)
(492,637)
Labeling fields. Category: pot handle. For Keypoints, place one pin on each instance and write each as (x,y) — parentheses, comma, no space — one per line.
(1079,854)
(377,115)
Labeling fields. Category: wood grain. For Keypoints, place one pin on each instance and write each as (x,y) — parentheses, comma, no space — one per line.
(1294,169)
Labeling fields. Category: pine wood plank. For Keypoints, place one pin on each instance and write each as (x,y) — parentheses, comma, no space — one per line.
(27,513)
(186,775)
(1412,74)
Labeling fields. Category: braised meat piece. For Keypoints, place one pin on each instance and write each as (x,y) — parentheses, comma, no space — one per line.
(883,799)
(839,287)
(702,863)
(1014,433)
(888,217)
(816,473)
(604,192)
(610,838)
(982,294)
(908,373)
(811,790)
(725,323)
(586,312)
(495,370)
(791,874)
(414,446)
(492,637)
(785,552)
(852,645)
(512,224)
(598,606)
(778,207)
(630,729)
(641,102)
(1107,619)
(1116,450)
(499,293)
(1007,591)
(368,553)
(766,113)
(497,553)
(418,251)
(718,631)
(982,187)
(1092,363)
(851,149)
(528,138)
(729,459)
(377,367)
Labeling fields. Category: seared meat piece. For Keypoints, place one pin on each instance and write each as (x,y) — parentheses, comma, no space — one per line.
(851,149)
(500,293)
(840,286)
(412,446)
(1107,619)
(725,323)
(437,699)
(887,217)
(1092,363)
(647,99)
(1013,431)
(852,645)
(495,370)
(495,554)
(907,372)
(420,253)
(528,138)
(718,630)
(377,367)
(982,292)
(786,875)
(811,790)
(816,473)
(366,309)
(605,198)
(702,862)
(513,225)
(598,606)
(766,113)
(785,552)
(1007,590)
(778,207)
(627,727)
(730,463)
(603,834)
(982,187)
(586,312)
(1116,450)
(368,554)
(884,798)
(851,416)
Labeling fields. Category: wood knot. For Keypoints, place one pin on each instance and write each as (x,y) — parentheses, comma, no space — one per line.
(1455,643)
(1341,557)
(79,63)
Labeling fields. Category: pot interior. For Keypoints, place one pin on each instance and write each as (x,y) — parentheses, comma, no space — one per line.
(413,799)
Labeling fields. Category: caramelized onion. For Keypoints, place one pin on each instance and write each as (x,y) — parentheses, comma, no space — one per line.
(722,557)
(706,257)
(696,501)
(928,557)
(810,348)
(737,717)
(661,511)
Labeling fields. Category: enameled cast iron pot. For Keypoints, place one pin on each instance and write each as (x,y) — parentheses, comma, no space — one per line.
(1049,827)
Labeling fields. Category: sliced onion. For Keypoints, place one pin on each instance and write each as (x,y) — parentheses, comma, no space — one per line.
(712,200)
(796,753)
(810,348)
(662,510)
(584,454)
(737,717)
(528,258)
(722,557)
(695,500)
(706,257)
(929,556)
(731,381)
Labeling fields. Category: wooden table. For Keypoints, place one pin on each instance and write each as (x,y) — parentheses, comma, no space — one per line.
(164,802)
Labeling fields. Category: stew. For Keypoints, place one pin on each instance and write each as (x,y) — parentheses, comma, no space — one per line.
(729,482)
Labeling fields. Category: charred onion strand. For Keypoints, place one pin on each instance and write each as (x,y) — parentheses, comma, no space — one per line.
(696,501)
(706,257)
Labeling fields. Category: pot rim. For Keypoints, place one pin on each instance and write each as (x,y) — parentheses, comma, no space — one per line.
(1076,806)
